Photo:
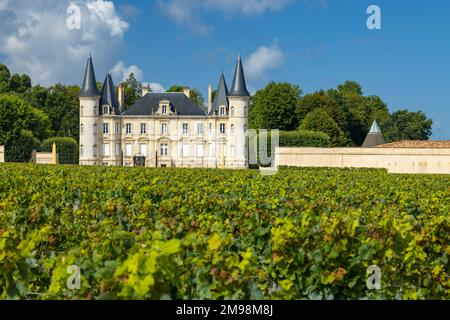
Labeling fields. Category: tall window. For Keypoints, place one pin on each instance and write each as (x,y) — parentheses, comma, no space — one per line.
(117,149)
(222,128)
(199,150)
(164,129)
(82,150)
(143,128)
(105,128)
(200,128)
(232,129)
(128,150)
(210,128)
(105,109)
(94,150)
(185,150)
(232,111)
(82,111)
(117,128)
(82,129)
(143,149)
(164,109)
(128,128)
(164,149)
(222,111)
(185,128)
(106,152)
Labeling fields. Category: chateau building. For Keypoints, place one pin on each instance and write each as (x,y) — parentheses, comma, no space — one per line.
(164,129)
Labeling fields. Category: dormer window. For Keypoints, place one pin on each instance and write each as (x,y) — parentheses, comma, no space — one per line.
(105,109)
(164,109)
(222,111)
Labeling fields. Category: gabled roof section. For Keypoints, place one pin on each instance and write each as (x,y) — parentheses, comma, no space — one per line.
(221,98)
(109,96)
(89,88)
(239,87)
(149,104)
(374,137)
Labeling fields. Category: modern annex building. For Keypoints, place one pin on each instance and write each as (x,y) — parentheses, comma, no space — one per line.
(168,129)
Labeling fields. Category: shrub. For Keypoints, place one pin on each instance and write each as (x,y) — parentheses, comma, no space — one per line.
(67,149)
(304,139)
(19,148)
(319,121)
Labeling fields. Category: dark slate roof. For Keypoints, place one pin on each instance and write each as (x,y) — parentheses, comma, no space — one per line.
(221,98)
(239,88)
(89,88)
(374,138)
(149,104)
(109,96)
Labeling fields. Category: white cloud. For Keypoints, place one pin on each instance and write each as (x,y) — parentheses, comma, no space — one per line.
(156,87)
(104,13)
(120,72)
(186,12)
(35,39)
(263,60)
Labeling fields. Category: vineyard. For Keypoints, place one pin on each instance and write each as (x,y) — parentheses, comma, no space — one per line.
(210,234)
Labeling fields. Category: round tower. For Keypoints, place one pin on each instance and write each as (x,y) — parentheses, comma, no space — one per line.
(89,118)
(239,100)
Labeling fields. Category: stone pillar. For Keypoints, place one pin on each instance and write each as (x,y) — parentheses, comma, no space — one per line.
(54,154)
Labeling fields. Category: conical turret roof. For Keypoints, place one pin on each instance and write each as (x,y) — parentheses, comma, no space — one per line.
(89,88)
(109,96)
(239,87)
(221,98)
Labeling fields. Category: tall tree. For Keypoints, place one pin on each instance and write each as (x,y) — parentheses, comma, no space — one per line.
(132,89)
(350,87)
(21,127)
(19,83)
(406,125)
(195,94)
(274,107)
(5,75)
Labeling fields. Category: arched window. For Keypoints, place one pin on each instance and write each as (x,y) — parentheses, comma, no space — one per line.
(82,150)
(232,129)
(232,111)
(82,111)
(82,129)
(95,129)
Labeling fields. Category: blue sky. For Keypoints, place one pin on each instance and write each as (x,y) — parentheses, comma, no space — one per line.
(316,44)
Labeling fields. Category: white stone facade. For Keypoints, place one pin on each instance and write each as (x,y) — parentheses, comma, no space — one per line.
(163,136)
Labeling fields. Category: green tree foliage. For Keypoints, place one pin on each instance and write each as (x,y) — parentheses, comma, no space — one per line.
(67,149)
(19,83)
(350,87)
(274,107)
(319,121)
(132,90)
(61,104)
(405,125)
(5,76)
(196,95)
(21,127)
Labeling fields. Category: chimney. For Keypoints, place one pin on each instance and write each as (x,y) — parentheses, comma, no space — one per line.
(121,97)
(146,89)
(209,98)
(187,92)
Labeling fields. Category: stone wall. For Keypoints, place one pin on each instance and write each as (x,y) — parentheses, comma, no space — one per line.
(395,160)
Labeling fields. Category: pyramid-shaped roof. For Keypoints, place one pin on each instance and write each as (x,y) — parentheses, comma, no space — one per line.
(374,137)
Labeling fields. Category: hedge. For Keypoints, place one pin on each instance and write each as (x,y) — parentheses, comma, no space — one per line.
(67,149)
